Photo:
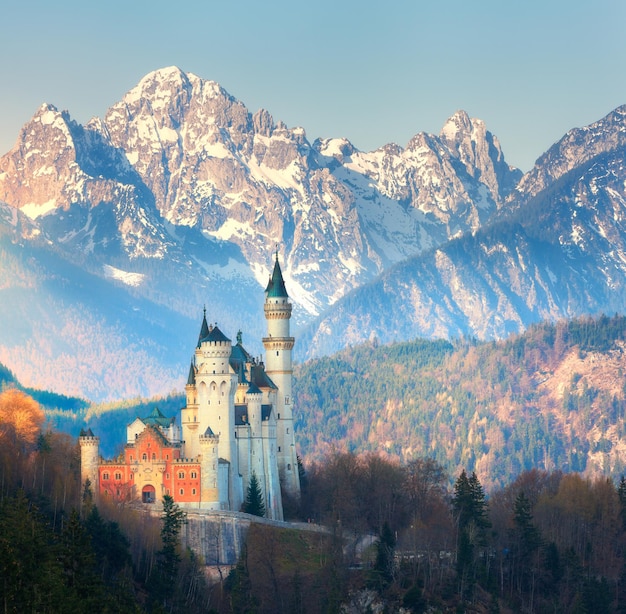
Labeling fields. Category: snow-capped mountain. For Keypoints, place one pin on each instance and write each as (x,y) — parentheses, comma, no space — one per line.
(179,154)
(556,250)
(179,196)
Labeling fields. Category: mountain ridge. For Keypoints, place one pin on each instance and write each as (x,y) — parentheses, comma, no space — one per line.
(181,195)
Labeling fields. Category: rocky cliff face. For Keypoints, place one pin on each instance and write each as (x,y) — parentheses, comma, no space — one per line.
(179,153)
(557,250)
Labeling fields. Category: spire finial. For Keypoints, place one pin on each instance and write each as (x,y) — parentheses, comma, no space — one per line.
(276,252)
(204,309)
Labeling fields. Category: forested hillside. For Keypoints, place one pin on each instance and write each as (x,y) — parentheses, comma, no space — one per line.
(552,398)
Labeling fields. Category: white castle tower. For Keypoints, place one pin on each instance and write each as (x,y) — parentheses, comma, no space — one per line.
(211,414)
(278,346)
(89,459)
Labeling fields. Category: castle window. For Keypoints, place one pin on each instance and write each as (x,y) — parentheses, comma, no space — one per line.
(277,353)
(279,448)
(288,466)
(105,476)
(153,456)
(181,475)
(144,457)
(193,491)
(287,431)
(118,476)
(167,457)
(194,475)
(182,491)
(131,458)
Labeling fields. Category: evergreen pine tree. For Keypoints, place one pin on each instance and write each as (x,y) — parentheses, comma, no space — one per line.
(384,565)
(173,519)
(254,499)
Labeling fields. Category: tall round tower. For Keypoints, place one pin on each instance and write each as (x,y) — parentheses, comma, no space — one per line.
(278,346)
(215,386)
(89,459)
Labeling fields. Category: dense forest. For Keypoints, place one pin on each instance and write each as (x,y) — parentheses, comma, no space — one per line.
(551,398)
(392,536)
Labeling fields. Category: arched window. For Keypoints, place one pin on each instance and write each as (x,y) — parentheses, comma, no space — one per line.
(105,475)
(118,476)
(144,456)
(181,475)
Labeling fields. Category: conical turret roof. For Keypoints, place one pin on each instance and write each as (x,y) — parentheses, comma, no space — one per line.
(276,285)
(204,329)
(191,380)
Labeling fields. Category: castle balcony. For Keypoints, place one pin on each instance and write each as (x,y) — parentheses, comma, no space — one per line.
(277,310)
(278,343)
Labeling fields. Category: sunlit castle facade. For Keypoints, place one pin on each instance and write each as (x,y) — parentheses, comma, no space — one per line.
(237,421)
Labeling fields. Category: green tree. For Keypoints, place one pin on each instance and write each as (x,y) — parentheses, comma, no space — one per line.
(83,586)
(526,541)
(383,571)
(31,576)
(470,511)
(254,498)
(168,557)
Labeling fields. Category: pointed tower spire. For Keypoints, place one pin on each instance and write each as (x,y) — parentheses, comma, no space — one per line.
(276,285)
(204,329)
(191,380)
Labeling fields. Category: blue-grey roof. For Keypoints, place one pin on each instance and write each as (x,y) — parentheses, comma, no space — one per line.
(276,285)
(204,329)
(157,418)
(191,379)
(214,335)
(253,389)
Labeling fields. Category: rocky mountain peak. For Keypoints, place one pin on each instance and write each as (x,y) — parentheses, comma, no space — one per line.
(578,147)
(480,153)
(179,181)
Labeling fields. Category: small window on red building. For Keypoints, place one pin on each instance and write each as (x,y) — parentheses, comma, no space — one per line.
(105,476)
(182,491)
(181,475)
(194,475)
(193,491)
(118,476)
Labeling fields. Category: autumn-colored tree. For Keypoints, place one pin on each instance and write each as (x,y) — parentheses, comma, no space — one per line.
(21,417)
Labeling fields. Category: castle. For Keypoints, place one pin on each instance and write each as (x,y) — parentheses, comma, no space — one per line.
(237,422)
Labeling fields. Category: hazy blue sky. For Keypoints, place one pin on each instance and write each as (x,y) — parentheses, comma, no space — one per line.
(373,72)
